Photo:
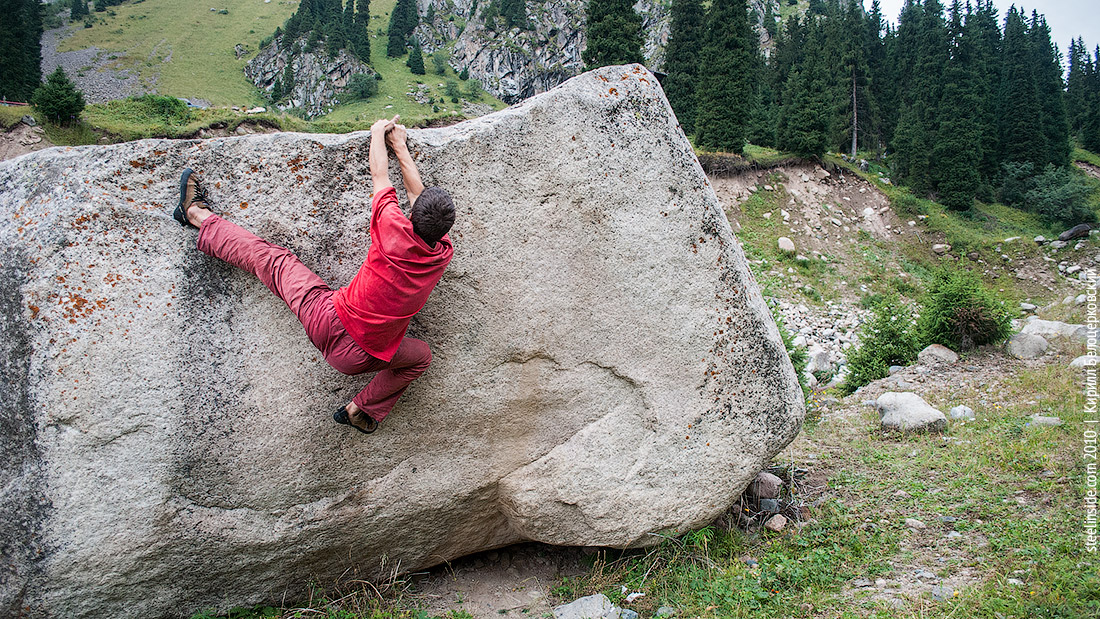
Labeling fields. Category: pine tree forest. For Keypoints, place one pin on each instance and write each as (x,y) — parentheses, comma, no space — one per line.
(339,25)
(20,49)
(959,99)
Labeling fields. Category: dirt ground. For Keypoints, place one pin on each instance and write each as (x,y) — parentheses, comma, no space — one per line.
(20,140)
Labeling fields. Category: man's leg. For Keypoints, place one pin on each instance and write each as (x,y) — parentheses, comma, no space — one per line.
(277,267)
(411,360)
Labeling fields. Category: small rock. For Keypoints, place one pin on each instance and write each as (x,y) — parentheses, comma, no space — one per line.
(590,607)
(256,110)
(1011,239)
(665,611)
(894,369)
(867,212)
(936,353)
(942,593)
(913,523)
(1026,346)
(1057,244)
(626,613)
(765,486)
(908,412)
(862,582)
(767,215)
(776,523)
(1040,239)
(1015,582)
(953,534)
(785,244)
(961,412)
(28,120)
(941,248)
(1028,307)
(1042,420)
(768,187)
(1084,361)
(749,561)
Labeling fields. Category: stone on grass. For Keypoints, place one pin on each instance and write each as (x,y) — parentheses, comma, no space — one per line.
(1043,420)
(908,412)
(1084,361)
(765,486)
(776,523)
(1026,346)
(913,523)
(1079,231)
(596,606)
(961,412)
(168,448)
(941,248)
(785,244)
(936,353)
(1051,329)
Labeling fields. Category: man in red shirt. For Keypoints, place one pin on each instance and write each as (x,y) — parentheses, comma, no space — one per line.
(361,327)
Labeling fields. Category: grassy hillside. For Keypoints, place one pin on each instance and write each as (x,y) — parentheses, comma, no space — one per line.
(184,49)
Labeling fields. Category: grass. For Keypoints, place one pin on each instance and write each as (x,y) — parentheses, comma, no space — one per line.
(183,49)
(10,115)
(1011,488)
(1080,154)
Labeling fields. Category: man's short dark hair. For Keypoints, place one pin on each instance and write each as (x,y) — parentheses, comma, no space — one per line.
(433,214)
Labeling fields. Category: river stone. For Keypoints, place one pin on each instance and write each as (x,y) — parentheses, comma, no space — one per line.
(605,366)
(1026,346)
(908,412)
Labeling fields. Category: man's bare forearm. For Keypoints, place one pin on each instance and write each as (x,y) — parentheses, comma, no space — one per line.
(377,156)
(413,185)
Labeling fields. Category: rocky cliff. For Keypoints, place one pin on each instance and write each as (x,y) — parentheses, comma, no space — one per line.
(514,64)
(604,368)
(319,79)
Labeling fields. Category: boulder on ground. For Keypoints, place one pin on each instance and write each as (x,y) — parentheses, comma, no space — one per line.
(1051,329)
(1026,346)
(961,411)
(1079,231)
(785,244)
(908,412)
(1085,361)
(765,486)
(936,353)
(604,364)
(596,606)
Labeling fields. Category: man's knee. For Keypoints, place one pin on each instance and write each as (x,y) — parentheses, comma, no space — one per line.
(420,354)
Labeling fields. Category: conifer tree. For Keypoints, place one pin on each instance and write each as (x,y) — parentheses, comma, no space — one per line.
(403,21)
(360,30)
(958,148)
(856,104)
(58,99)
(20,48)
(1090,127)
(682,60)
(79,9)
(1076,85)
(984,36)
(805,117)
(727,79)
(416,59)
(1049,86)
(1022,137)
(614,34)
(879,88)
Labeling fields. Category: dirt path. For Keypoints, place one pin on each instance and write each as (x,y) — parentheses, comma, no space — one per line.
(20,140)
(1089,169)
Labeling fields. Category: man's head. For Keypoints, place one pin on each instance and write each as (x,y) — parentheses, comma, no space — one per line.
(433,214)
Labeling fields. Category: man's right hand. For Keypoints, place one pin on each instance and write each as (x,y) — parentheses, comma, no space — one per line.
(396,137)
(384,124)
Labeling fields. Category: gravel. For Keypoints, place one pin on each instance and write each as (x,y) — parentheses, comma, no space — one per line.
(88,68)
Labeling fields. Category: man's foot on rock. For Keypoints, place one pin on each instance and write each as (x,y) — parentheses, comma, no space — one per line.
(194,206)
(359,420)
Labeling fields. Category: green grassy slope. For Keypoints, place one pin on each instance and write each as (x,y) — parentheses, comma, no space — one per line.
(183,47)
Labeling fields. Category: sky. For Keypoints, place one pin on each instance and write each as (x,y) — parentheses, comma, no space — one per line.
(1068,19)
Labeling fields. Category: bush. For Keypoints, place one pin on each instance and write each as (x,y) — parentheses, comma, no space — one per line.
(58,99)
(439,61)
(450,91)
(958,312)
(889,338)
(1060,194)
(362,86)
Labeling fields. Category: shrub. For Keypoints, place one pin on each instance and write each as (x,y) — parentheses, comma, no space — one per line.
(450,91)
(1060,194)
(362,86)
(958,312)
(439,61)
(58,99)
(889,338)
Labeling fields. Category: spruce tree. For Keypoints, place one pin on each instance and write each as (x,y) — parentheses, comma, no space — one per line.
(856,104)
(20,48)
(360,31)
(1022,139)
(1049,86)
(1076,85)
(805,117)
(682,60)
(416,59)
(958,148)
(727,77)
(613,32)
(403,21)
(79,9)
(984,35)
(58,99)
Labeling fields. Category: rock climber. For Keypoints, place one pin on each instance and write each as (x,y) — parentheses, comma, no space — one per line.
(360,327)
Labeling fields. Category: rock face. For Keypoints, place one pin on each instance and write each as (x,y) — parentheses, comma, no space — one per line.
(319,79)
(516,63)
(908,412)
(604,364)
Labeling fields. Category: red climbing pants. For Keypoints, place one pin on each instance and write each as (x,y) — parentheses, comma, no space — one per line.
(310,299)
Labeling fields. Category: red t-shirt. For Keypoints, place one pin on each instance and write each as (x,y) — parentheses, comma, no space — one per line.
(394,282)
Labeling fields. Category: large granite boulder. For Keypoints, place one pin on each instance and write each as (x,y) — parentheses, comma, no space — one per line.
(605,366)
